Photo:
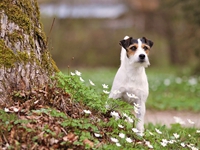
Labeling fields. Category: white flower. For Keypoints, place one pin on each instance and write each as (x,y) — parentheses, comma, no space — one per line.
(91,83)
(192,147)
(81,79)
(114,140)
(176,135)
(87,111)
(148,144)
(72,73)
(129,140)
(191,122)
(120,126)
(122,135)
(183,144)
(136,110)
(178,80)
(15,109)
(125,115)
(129,119)
(171,141)
(105,86)
(97,135)
(115,114)
(106,92)
(198,131)
(6,109)
(116,92)
(118,144)
(164,141)
(192,81)
(167,82)
(78,73)
(135,130)
(140,133)
(189,135)
(136,105)
(158,131)
(132,96)
(163,144)
(179,120)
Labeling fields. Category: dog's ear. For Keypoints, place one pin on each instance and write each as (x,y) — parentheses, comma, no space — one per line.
(125,43)
(148,42)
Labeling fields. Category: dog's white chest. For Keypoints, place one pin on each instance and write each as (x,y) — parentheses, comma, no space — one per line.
(136,83)
(133,81)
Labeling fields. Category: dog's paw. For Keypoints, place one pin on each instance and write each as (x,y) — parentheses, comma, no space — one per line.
(140,134)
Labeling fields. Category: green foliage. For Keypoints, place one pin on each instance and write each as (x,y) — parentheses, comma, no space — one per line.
(152,137)
(95,126)
(88,95)
(167,90)
(6,121)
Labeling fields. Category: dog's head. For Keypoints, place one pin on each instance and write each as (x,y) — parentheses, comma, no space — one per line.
(137,50)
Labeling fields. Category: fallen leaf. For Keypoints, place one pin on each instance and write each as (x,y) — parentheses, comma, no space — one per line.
(71,137)
(88,142)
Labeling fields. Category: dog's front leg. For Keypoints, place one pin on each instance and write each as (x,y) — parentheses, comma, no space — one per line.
(140,116)
(117,93)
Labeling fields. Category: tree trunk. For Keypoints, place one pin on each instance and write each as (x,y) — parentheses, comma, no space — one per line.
(25,62)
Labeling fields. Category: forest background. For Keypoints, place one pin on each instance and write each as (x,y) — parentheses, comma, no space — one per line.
(89,32)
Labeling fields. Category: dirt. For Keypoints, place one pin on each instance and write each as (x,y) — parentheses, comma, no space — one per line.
(168,117)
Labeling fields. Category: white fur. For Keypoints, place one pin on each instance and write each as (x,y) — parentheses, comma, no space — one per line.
(131,78)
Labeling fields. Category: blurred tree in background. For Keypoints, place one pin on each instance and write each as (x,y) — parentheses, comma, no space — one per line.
(173,25)
(191,15)
(178,22)
(183,33)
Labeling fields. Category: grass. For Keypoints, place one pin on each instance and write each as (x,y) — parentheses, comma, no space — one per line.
(84,122)
(168,91)
(155,136)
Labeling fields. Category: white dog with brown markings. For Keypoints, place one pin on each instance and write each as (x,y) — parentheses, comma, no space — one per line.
(130,83)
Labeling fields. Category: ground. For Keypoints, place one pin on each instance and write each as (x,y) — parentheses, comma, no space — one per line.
(167,117)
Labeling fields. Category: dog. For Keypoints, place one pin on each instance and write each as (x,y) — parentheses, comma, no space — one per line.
(130,83)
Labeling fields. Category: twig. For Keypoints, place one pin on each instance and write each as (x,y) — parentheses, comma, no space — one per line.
(64,130)
(50,30)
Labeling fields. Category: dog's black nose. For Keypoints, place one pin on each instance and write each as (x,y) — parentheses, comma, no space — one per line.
(141,56)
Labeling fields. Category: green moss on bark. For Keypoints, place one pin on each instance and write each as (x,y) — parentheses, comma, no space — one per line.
(7,56)
(15,36)
(16,15)
(26,15)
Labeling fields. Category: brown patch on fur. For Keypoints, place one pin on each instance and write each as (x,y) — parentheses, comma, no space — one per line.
(147,52)
(131,50)
(147,49)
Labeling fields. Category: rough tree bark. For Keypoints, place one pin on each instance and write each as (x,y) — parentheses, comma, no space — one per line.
(25,62)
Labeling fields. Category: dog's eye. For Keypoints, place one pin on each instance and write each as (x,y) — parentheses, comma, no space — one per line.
(133,48)
(145,48)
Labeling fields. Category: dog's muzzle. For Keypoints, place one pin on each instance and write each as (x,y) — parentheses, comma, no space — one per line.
(142,57)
